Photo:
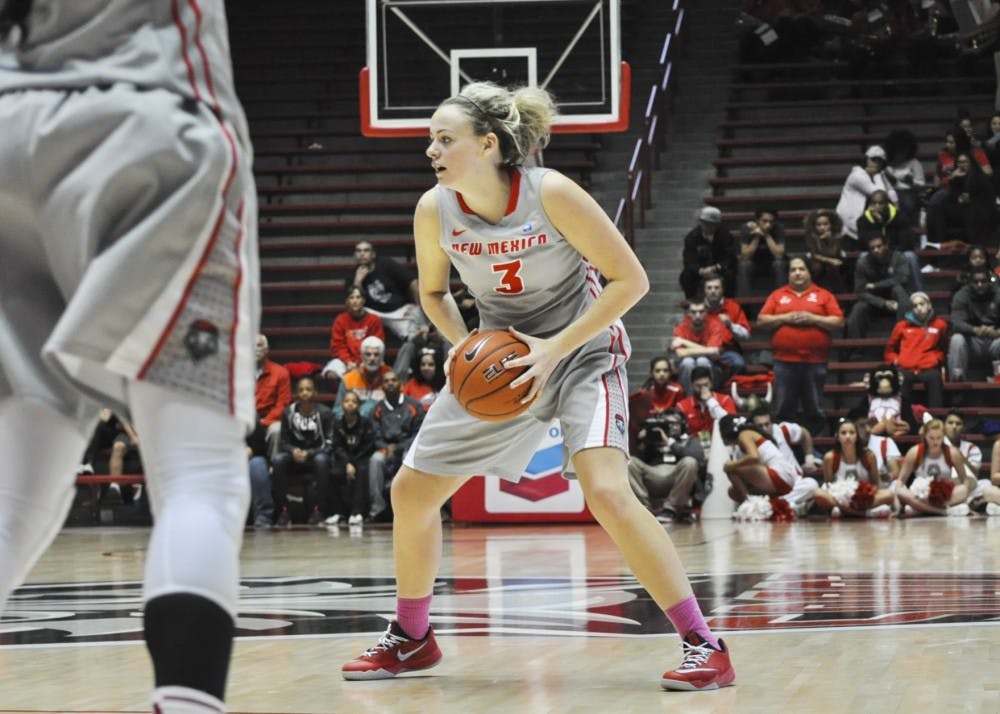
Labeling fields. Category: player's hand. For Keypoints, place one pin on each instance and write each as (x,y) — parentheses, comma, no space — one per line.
(541,360)
(451,355)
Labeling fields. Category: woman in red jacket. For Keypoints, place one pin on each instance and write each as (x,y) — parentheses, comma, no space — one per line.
(917,348)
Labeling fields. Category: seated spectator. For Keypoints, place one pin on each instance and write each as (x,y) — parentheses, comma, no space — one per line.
(427,380)
(991,147)
(975,325)
(881,277)
(666,465)
(803,316)
(757,467)
(882,218)
(113,450)
(824,248)
(929,461)
(956,142)
(905,172)
(353,442)
(916,348)
(366,378)
(428,340)
(703,406)
(761,252)
(726,309)
(657,394)
(702,340)
(708,252)
(968,127)
(978,257)
(349,329)
(261,499)
(304,449)
(849,459)
(391,293)
(397,419)
(954,430)
(861,182)
(273,394)
(966,208)
(467,307)
(887,454)
(787,435)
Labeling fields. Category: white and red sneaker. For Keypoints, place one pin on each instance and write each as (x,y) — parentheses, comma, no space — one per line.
(704,667)
(394,654)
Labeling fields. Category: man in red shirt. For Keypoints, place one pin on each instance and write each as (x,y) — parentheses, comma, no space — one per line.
(917,348)
(726,309)
(803,316)
(704,406)
(273,394)
(702,340)
(349,329)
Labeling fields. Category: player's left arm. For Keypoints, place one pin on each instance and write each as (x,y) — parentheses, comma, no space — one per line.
(585,225)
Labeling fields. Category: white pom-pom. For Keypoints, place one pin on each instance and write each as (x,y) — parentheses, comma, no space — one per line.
(921,487)
(842,491)
(755,508)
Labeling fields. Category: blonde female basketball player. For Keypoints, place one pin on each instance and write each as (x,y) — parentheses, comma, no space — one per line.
(530,244)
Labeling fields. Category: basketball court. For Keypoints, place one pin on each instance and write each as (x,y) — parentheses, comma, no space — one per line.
(886,616)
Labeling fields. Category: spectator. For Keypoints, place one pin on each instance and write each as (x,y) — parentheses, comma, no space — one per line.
(349,329)
(306,427)
(666,466)
(427,341)
(391,293)
(703,406)
(787,435)
(916,348)
(656,395)
(975,324)
(727,310)
(762,250)
(861,182)
(972,455)
(881,277)
(467,307)
(273,394)
(353,442)
(757,468)
(887,454)
(905,172)
(882,218)
(702,340)
(261,498)
(427,380)
(991,147)
(850,458)
(934,460)
(978,257)
(708,252)
(967,126)
(824,248)
(803,316)
(964,209)
(397,419)
(366,378)
(114,450)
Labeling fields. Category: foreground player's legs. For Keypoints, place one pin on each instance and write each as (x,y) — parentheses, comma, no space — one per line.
(196,469)
(40,447)
(652,557)
(409,642)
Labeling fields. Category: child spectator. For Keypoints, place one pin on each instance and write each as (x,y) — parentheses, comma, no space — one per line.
(353,443)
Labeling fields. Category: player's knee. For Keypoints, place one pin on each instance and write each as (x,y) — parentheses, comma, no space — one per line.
(608,500)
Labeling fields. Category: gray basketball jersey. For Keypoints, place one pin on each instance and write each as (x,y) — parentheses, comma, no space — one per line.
(522,271)
(181,46)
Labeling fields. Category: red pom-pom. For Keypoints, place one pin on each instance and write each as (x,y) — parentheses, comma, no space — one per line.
(863,498)
(781,511)
(939,494)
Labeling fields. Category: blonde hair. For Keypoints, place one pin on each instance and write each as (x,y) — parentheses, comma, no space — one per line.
(521,118)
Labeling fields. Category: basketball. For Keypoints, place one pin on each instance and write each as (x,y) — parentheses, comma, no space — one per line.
(479,379)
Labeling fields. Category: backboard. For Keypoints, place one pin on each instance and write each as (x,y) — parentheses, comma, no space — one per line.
(420,52)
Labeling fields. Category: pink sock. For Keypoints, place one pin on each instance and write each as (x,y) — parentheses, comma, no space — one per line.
(414,616)
(686,617)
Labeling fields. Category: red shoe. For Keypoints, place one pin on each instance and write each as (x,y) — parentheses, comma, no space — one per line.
(704,667)
(394,654)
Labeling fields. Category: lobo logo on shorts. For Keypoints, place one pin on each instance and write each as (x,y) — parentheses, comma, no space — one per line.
(202,340)
(542,488)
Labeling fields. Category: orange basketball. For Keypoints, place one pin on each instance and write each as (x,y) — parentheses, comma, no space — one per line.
(479,379)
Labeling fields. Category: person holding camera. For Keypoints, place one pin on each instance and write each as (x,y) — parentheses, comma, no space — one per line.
(666,466)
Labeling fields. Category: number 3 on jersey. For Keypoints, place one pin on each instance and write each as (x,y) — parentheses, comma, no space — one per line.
(510,280)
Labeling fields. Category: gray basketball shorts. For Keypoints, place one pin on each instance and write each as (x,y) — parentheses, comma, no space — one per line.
(128,250)
(587,393)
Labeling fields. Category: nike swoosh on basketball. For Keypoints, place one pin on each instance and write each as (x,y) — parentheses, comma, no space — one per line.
(471,354)
(457,232)
(403,656)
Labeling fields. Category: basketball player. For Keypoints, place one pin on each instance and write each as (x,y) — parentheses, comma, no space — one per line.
(128,276)
(530,244)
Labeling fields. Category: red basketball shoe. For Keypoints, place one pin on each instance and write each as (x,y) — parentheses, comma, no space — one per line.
(704,667)
(394,654)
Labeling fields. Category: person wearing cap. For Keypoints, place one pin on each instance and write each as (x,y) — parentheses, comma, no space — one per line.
(708,252)
(917,349)
(863,180)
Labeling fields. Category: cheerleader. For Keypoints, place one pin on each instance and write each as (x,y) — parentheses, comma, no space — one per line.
(927,484)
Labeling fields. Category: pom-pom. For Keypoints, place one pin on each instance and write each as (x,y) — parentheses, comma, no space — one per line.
(863,498)
(754,508)
(939,494)
(920,487)
(781,511)
(842,491)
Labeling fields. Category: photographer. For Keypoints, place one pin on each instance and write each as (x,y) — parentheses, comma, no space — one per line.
(667,465)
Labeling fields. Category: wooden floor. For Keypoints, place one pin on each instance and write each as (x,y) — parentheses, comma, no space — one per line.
(883,616)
